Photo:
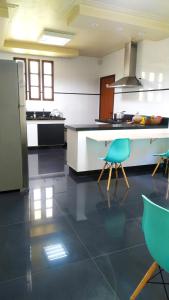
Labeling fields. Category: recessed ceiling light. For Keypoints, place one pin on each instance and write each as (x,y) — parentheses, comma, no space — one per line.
(119,28)
(141,34)
(94,25)
(55,38)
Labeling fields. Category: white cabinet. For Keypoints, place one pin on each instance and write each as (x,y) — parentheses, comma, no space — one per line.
(32,134)
(45,132)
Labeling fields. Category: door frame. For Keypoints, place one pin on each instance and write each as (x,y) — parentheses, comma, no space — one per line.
(103,77)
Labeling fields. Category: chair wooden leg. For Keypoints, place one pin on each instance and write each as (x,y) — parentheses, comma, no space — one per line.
(166,167)
(157,166)
(125,177)
(144,281)
(102,171)
(167,192)
(116,170)
(109,178)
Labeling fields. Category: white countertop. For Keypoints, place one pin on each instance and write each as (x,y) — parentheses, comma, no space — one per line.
(133,134)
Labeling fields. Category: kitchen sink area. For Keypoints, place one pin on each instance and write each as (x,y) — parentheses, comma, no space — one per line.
(45,128)
(43,115)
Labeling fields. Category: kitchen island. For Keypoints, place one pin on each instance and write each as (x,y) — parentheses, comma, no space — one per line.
(86,143)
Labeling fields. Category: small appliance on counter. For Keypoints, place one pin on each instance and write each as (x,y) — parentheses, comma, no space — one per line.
(56,113)
(119,116)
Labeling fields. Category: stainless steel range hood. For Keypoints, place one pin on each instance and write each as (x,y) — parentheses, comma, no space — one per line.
(129,80)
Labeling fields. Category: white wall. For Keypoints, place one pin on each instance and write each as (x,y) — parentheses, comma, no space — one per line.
(113,64)
(77,77)
(153,68)
(72,76)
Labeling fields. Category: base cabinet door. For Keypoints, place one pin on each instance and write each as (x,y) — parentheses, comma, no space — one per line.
(32,135)
(50,134)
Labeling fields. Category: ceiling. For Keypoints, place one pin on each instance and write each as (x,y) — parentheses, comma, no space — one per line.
(100,26)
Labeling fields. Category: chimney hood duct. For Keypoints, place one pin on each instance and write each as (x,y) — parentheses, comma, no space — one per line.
(129,80)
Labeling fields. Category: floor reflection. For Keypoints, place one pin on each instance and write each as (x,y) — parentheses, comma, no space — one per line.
(55,251)
(160,191)
(41,203)
(70,238)
(114,195)
(40,163)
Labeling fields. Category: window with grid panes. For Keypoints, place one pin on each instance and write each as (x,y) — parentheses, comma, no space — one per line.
(47,80)
(34,79)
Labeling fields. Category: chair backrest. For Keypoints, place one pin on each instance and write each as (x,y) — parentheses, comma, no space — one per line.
(155,225)
(164,154)
(167,154)
(119,151)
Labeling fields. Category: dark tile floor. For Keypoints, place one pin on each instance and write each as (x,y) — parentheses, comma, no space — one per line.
(68,239)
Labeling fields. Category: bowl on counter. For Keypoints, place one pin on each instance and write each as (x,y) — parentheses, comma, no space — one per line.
(153,120)
(156,120)
(137,119)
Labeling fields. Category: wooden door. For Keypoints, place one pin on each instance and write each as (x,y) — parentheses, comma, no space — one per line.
(106,98)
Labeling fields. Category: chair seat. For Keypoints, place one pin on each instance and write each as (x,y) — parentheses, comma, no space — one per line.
(155,224)
(118,152)
(113,161)
(165,154)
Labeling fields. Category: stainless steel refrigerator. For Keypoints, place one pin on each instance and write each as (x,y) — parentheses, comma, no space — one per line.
(13,140)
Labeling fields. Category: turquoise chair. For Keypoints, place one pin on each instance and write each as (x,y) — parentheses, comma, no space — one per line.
(118,152)
(155,224)
(162,157)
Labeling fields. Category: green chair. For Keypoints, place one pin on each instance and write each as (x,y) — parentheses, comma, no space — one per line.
(118,152)
(155,223)
(162,157)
